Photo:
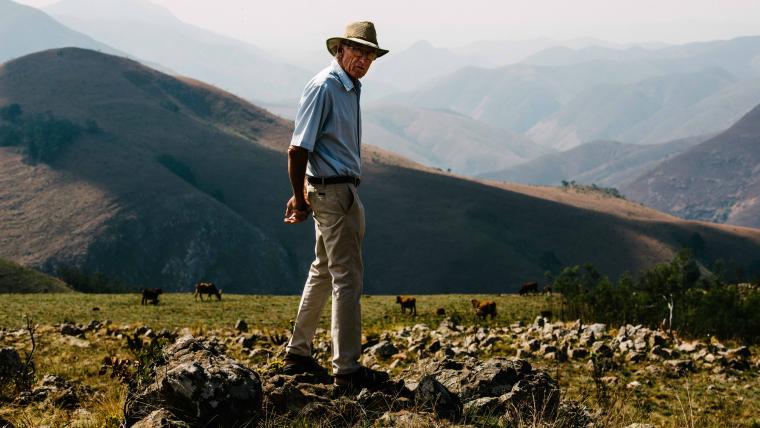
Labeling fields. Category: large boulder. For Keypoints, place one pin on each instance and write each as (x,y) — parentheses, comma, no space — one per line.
(472,378)
(200,385)
(432,395)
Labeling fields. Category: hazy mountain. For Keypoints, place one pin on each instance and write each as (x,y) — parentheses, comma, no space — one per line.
(416,65)
(605,163)
(519,96)
(637,112)
(445,139)
(718,180)
(739,56)
(650,96)
(186,182)
(152,33)
(24,30)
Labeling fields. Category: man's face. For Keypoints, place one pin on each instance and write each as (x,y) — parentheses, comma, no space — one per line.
(356,60)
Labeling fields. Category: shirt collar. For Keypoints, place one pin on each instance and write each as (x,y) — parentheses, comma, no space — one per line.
(345,79)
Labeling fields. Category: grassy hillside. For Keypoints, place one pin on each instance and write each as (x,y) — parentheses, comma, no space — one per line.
(18,279)
(186,182)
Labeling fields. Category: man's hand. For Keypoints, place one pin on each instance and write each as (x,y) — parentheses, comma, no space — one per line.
(295,213)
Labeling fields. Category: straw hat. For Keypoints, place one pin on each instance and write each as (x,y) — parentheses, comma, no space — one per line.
(362,32)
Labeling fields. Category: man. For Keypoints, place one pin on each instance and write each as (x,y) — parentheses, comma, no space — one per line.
(325,151)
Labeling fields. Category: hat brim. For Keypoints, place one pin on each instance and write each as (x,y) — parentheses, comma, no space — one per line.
(333,42)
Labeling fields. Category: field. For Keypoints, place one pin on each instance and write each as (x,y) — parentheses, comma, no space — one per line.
(728,398)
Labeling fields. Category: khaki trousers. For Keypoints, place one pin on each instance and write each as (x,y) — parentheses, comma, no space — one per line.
(338,270)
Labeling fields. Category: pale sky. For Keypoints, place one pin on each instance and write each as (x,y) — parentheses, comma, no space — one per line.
(447,23)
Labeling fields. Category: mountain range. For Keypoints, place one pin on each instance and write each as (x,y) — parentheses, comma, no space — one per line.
(24,29)
(717,180)
(177,181)
(605,163)
(150,32)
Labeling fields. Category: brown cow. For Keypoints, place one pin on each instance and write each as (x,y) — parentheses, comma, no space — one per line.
(407,303)
(207,288)
(529,287)
(150,294)
(484,308)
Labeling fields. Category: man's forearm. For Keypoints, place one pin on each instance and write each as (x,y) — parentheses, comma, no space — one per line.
(297,160)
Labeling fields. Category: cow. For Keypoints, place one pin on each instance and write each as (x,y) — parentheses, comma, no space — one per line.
(151,294)
(208,289)
(529,287)
(484,308)
(407,303)
(548,290)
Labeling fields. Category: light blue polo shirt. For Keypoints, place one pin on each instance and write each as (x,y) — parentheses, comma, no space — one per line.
(328,124)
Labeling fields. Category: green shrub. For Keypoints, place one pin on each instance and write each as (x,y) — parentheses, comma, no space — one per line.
(698,304)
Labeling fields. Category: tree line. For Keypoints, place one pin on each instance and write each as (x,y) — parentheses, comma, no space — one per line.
(677,295)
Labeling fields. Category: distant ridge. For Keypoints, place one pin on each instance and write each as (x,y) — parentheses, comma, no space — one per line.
(187,182)
(718,180)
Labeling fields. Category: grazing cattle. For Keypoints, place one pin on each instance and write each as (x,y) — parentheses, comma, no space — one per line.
(407,303)
(151,294)
(484,308)
(207,288)
(440,312)
(529,287)
(548,290)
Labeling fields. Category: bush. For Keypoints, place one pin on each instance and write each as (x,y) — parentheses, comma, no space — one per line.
(43,136)
(81,280)
(673,293)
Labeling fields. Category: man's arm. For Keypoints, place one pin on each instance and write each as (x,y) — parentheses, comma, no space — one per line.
(297,208)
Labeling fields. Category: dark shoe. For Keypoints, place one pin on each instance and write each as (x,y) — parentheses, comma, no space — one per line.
(362,378)
(299,364)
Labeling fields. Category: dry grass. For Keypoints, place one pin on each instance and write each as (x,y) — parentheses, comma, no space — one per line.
(701,399)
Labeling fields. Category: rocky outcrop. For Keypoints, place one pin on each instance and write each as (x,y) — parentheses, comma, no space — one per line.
(197,384)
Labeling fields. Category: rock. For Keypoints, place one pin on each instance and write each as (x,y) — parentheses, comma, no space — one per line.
(406,419)
(625,346)
(738,358)
(688,347)
(200,385)
(533,345)
(160,418)
(577,353)
(432,395)
(600,348)
(535,397)
(376,403)
(634,357)
(10,364)
(679,367)
(522,354)
(4,423)
(658,339)
(56,390)
(539,321)
(68,329)
(640,425)
(546,349)
(383,350)
(640,344)
(472,378)
(586,339)
(435,346)
(633,385)
(485,406)
(597,329)
(241,326)
(572,414)
(340,412)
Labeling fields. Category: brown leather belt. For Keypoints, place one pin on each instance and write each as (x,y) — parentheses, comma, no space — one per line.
(334,180)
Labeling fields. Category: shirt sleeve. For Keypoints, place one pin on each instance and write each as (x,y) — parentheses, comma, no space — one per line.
(312,112)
